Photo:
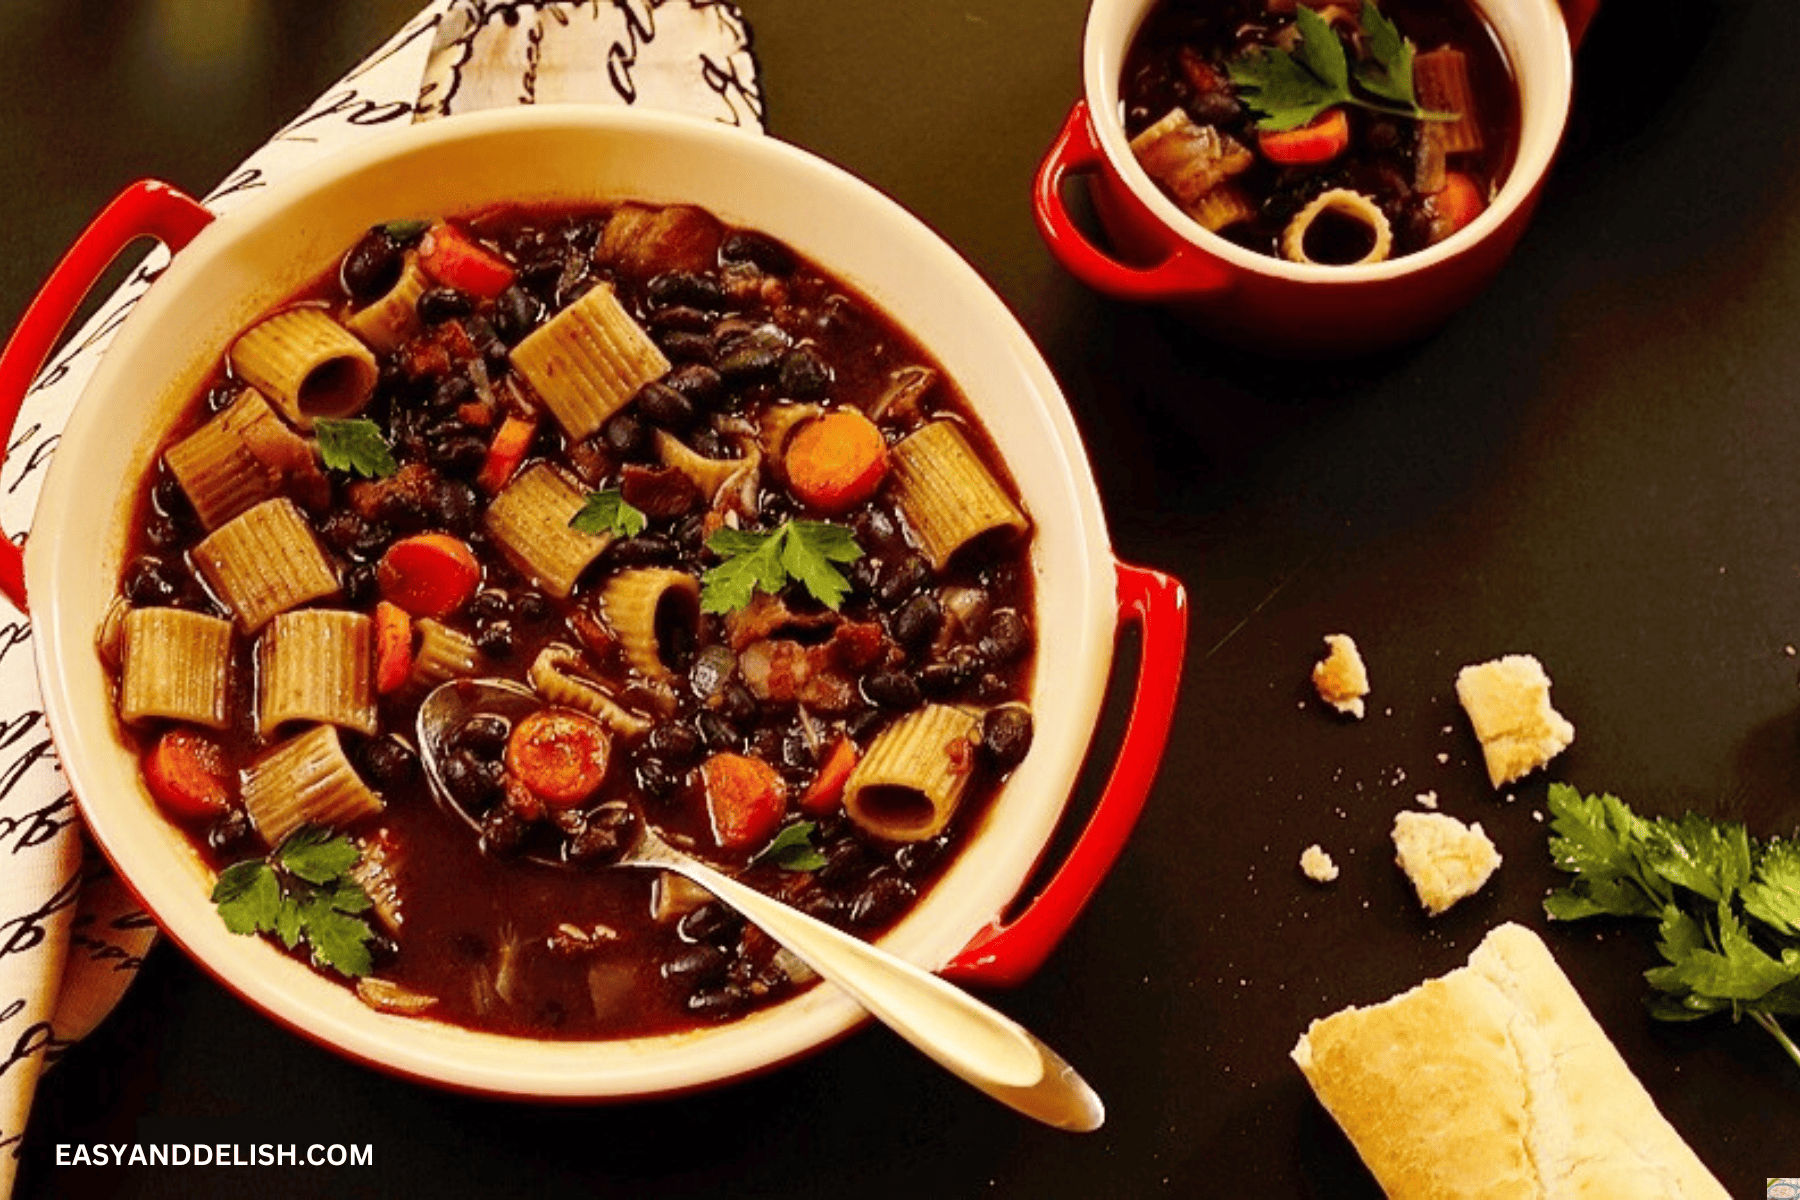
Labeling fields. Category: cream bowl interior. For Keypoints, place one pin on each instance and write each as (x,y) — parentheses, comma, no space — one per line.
(257,255)
(1535,41)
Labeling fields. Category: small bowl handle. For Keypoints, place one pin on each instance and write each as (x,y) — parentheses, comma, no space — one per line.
(1005,952)
(1579,15)
(145,209)
(1184,274)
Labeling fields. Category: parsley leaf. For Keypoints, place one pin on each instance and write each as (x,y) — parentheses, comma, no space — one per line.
(608,513)
(792,849)
(1390,76)
(1727,907)
(303,891)
(354,445)
(765,561)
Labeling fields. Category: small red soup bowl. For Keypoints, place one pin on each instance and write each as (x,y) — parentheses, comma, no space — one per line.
(1161,256)
(228,271)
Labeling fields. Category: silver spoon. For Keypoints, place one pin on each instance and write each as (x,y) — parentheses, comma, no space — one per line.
(963,1035)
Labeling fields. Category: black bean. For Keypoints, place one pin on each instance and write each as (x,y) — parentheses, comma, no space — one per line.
(918,621)
(746,245)
(490,604)
(710,444)
(1006,637)
(663,406)
(360,584)
(685,288)
(452,392)
(439,304)
(991,688)
(454,505)
(371,267)
(503,832)
(915,858)
(341,530)
(900,580)
(718,1003)
(891,689)
(461,455)
(152,582)
(940,679)
(697,964)
(880,899)
(865,725)
(698,382)
(388,761)
(823,904)
(680,319)
(162,532)
(472,782)
(746,362)
(711,922)
(737,704)
(765,744)
(483,735)
(516,313)
(674,741)
(230,831)
(643,550)
(1006,736)
(626,435)
(875,530)
(804,375)
(865,573)
(532,608)
(496,639)
(656,778)
(847,862)
(606,834)
(684,347)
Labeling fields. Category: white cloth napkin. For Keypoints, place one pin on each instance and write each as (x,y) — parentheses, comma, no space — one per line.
(71,937)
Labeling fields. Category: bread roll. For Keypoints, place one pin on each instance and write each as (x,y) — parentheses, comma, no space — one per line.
(1495,1081)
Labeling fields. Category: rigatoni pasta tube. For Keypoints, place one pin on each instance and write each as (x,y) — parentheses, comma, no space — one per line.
(216,466)
(530,521)
(306,780)
(265,561)
(316,665)
(559,675)
(907,787)
(647,607)
(946,493)
(392,317)
(307,363)
(177,666)
(444,653)
(588,361)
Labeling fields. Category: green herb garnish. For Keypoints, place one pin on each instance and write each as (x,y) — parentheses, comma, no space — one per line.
(355,445)
(302,892)
(792,849)
(802,550)
(404,232)
(608,513)
(1727,905)
(1288,90)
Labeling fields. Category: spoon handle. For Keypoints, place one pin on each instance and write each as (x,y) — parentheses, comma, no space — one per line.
(963,1035)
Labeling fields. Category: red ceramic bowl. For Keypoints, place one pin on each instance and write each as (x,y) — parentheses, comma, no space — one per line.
(226,272)
(1160,256)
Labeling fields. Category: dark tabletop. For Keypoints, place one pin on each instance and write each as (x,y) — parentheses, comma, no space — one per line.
(1595,464)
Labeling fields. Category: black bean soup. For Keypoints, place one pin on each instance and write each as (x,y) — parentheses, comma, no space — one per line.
(1427,178)
(488,936)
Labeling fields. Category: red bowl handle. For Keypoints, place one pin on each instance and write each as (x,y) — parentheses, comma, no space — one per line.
(1006,952)
(1183,274)
(145,209)
(1579,14)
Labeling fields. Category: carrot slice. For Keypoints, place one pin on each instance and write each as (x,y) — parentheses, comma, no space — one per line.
(745,799)
(560,755)
(1459,203)
(428,574)
(393,647)
(505,453)
(189,776)
(451,257)
(837,461)
(1320,140)
(826,790)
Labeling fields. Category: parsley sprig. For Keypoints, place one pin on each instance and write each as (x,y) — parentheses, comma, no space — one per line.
(792,849)
(608,512)
(1727,905)
(801,550)
(1289,89)
(302,892)
(355,444)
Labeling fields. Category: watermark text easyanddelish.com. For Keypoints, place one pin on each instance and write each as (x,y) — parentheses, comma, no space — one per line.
(212,1154)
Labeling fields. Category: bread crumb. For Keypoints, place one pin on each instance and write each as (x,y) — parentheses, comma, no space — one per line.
(1427,799)
(1341,678)
(1508,702)
(1317,864)
(1445,859)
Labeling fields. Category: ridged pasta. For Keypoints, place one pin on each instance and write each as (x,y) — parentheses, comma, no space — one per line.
(307,363)
(1225,205)
(946,493)
(710,475)
(559,676)
(907,787)
(1188,159)
(265,561)
(177,666)
(444,653)
(306,780)
(530,521)
(391,318)
(1441,81)
(1347,203)
(316,665)
(216,466)
(588,361)
(638,603)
